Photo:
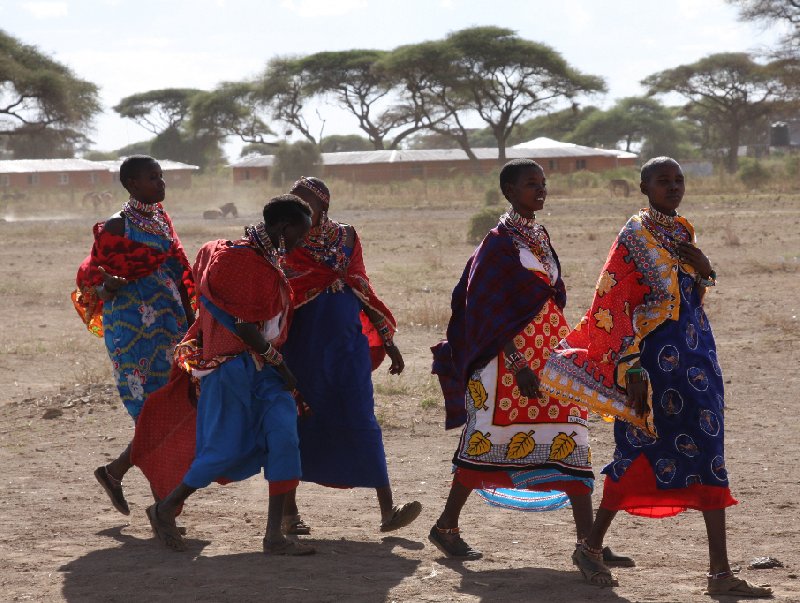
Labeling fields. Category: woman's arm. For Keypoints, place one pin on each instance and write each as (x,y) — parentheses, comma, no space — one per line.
(250,334)
(527,380)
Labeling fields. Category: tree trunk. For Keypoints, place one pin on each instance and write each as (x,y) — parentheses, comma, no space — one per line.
(732,161)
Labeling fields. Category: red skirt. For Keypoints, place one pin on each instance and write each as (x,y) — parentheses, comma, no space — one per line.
(636,492)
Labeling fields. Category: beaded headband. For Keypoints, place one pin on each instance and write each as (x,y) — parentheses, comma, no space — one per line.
(319,193)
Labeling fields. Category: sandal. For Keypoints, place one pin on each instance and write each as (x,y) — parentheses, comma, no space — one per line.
(290,548)
(402,516)
(449,541)
(593,569)
(611,559)
(165,532)
(294,525)
(113,488)
(736,587)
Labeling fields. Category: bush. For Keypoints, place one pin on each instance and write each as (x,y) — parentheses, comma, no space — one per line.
(481,223)
(491,196)
(753,173)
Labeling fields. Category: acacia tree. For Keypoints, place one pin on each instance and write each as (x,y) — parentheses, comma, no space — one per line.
(38,94)
(730,91)
(285,86)
(158,110)
(632,120)
(354,80)
(427,74)
(769,12)
(507,78)
(232,109)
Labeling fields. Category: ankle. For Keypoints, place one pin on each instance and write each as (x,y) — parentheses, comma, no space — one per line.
(591,550)
(721,575)
(446,531)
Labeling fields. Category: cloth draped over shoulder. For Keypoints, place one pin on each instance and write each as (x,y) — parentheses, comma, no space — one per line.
(120,256)
(164,443)
(309,278)
(636,292)
(494,300)
(242,283)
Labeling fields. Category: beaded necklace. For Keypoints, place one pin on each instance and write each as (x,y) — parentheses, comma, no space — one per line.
(325,243)
(147,217)
(528,233)
(664,228)
(257,235)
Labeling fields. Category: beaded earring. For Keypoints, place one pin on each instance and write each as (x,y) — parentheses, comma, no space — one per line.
(323,216)
(281,247)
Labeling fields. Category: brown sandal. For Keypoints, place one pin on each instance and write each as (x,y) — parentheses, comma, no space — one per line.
(593,569)
(290,548)
(402,515)
(295,526)
(612,559)
(449,541)
(737,587)
(168,534)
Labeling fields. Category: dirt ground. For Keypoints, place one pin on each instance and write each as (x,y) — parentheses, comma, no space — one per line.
(60,418)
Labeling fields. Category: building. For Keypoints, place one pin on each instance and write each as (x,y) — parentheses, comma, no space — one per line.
(176,174)
(26,174)
(403,164)
(32,174)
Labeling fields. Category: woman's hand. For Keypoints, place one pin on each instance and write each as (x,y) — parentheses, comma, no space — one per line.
(637,394)
(398,364)
(528,383)
(111,284)
(692,255)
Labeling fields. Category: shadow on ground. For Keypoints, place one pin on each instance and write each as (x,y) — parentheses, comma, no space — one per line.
(142,570)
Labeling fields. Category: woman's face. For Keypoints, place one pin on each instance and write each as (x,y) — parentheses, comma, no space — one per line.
(294,233)
(148,185)
(317,207)
(528,193)
(665,187)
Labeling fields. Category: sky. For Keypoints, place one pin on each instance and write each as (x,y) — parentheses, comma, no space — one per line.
(130,46)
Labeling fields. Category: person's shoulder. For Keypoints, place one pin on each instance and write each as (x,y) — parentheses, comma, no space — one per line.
(115,225)
(350,234)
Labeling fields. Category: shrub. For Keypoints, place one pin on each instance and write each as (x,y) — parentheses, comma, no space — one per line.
(491,196)
(753,173)
(481,223)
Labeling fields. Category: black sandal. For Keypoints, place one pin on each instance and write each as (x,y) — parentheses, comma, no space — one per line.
(449,541)
(612,559)
(113,488)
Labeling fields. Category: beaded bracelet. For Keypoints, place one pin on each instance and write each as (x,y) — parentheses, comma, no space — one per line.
(711,281)
(384,330)
(272,356)
(638,371)
(515,362)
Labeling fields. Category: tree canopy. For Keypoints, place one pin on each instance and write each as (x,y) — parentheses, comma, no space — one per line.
(730,91)
(37,93)
(158,110)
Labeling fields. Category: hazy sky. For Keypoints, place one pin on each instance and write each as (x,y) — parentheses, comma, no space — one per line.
(137,45)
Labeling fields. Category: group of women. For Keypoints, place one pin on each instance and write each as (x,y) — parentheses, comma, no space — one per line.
(514,375)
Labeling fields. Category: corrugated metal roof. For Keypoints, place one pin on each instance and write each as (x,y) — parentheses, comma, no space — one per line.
(559,150)
(27,166)
(167,165)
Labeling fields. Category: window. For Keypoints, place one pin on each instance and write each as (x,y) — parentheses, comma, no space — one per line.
(63,179)
(580,164)
(93,178)
(553,163)
(5,180)
(33,179)
(247,174)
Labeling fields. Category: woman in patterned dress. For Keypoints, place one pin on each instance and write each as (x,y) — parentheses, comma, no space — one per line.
(645,353)
(134,290)
(507,315)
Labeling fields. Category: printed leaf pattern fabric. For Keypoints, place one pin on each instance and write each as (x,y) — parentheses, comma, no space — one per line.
(479,444)
(521,445)
(562,446)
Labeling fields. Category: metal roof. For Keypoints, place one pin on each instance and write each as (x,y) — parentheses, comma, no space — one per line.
(556,151)
(167,165)
(28,166)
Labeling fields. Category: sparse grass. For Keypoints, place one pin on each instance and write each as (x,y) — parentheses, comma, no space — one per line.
(730,237)
(430,403)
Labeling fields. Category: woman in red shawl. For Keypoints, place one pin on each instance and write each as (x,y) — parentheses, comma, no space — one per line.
(341,331)
(134,290)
